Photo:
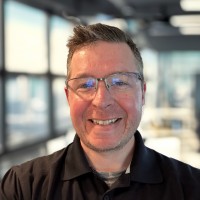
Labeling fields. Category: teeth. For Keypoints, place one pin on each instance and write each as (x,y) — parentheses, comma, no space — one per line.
(104,122)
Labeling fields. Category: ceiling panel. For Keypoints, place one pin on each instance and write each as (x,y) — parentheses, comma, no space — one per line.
(153,16)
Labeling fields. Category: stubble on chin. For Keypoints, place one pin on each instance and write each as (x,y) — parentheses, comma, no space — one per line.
(110,148)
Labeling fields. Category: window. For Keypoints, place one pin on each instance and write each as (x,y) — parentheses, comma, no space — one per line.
(61,109)
(150,59)
(25,38)
(26,110)
(177,82)
(60,30)
(1,35)
(1,65)
(1,131)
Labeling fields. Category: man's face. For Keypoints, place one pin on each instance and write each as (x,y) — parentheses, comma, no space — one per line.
(93,119)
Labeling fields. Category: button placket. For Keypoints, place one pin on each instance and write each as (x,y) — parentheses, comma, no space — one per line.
(106,197)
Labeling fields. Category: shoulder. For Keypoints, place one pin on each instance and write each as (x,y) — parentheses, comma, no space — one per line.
(33,177)
(41,165)
(178,169)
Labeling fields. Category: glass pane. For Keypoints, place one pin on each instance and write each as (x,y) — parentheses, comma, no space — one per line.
(60,31)
(25,38)
(177,82)
(150,59)
(1,28)
(1,132)
(26,110)
(61,109)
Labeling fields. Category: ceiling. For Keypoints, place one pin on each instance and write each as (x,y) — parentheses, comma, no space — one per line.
(151,16)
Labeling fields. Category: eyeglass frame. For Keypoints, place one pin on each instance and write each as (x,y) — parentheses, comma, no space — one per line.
(138,75)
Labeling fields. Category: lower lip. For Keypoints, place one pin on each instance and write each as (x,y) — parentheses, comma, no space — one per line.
(104,131)
(106,125)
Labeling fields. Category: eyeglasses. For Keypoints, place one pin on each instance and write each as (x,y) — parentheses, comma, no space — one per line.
(117,84)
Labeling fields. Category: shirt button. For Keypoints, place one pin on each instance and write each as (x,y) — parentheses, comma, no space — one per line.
(106,197)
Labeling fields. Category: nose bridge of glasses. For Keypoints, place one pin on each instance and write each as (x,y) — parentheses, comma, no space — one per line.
(102,96)
(104,80)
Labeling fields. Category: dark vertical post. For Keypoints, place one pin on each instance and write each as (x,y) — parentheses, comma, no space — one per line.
(197,105)
(50,82)
(3,78)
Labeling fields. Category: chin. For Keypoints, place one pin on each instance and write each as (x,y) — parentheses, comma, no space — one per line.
(103,146)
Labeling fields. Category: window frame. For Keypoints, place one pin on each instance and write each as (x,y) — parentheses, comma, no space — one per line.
(49,75)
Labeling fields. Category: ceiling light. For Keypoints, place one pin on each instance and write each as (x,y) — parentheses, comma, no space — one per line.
(185,20)
(190,5)
(190,31)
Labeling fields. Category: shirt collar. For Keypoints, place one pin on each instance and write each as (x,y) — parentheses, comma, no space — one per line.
(76,163)
(144,166)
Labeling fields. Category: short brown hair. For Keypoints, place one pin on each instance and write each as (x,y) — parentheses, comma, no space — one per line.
(86,35)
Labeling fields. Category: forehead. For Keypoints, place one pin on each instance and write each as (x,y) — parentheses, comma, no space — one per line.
(102,58)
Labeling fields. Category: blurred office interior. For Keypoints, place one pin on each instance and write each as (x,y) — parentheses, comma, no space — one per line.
(34,114)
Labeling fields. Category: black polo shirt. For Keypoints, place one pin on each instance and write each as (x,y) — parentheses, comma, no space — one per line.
(67,175)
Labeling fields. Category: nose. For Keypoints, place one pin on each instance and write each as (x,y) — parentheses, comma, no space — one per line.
(102,97)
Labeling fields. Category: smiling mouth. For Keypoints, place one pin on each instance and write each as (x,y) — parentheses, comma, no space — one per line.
(104,122)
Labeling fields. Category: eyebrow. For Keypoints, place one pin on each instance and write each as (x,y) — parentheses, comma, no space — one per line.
(85,75)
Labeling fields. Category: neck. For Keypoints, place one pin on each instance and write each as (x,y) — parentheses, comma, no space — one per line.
(113,161)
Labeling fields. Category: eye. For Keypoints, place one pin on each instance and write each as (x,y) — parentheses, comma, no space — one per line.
(118,82)
(86,84)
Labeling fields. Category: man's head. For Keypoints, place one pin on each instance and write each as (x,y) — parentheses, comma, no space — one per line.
(105,87)
(88,35)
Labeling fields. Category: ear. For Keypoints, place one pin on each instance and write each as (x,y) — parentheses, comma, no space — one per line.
(144,87)
(67,93)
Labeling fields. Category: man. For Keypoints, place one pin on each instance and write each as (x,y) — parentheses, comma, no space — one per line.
(105,90)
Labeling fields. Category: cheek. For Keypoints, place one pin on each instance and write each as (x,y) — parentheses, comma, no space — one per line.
(77,110)
(132,106)
(139,103)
